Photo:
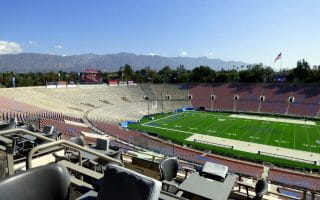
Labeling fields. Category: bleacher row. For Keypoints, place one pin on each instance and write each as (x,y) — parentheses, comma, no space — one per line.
(306,98)
(27,113)
(106,102)
(67,130)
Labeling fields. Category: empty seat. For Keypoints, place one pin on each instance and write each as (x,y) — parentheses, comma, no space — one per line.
(168,172)
(49,182)
(71,155)
(102,144)
(116,154)
(48,130)
(79,140)
(122,184)
(261,189)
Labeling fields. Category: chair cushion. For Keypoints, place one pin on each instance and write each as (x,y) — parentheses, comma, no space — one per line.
(50,182)
(123,184)
(116,155)
(79,140)
(261,187)
(169,169)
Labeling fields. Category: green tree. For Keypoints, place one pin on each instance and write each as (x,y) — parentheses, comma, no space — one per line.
(302,72)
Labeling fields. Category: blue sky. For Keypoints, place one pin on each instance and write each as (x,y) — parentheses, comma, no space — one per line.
(246,30)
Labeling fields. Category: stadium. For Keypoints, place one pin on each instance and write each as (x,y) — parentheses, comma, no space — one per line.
(159,100)
(268,131)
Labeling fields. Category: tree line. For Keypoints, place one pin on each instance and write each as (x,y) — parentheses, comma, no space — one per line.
(256,73)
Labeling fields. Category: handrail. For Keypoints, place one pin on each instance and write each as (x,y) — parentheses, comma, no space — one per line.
(70,145)
(26,132)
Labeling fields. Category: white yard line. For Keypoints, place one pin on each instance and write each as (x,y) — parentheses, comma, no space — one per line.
(294,137)
(161,118)
(168,129)
(272,119)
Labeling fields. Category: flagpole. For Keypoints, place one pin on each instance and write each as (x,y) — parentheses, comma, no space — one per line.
(280,62)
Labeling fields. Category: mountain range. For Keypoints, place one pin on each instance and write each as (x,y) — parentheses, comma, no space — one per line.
(36,62)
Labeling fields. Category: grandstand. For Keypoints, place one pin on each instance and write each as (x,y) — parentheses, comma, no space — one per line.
(97,109)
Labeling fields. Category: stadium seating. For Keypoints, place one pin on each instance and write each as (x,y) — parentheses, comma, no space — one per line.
(277,96)
(43,107)
(307,99)
(201,95)
(68,130)
(281,176)
(248,96)
(224,95)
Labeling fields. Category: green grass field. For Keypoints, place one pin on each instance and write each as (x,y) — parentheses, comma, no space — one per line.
(179,126)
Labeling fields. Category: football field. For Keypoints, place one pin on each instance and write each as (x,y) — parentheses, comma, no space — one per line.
(279,132)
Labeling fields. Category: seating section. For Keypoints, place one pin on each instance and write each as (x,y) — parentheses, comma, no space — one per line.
(224,95)
(104,105)
(67,130)
(114,104)
(249,95)
(171,97)
(276,98)
(281,176)
(307,100)
(201,95)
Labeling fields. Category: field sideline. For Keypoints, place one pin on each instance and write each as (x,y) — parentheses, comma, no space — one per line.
(290,135)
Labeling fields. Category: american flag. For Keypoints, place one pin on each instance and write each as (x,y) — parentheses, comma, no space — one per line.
(277,58)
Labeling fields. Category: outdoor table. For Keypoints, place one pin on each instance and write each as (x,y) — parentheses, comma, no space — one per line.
(208,188)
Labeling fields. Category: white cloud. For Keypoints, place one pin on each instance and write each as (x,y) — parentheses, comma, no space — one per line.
(9,47)
(210,53)
(153,54)
(32,43)
(183,53)
(58,46)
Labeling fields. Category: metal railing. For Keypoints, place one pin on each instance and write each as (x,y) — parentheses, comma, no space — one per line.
(70,145)
(53,143)
(26,132)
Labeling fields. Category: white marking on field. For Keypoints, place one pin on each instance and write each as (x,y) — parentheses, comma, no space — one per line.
(221,120)
(162,118)
(255,137)
(254,147)
(282,141)
(272,119)
(245,146)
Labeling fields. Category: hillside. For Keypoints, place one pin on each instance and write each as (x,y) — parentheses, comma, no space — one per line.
(34,62)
